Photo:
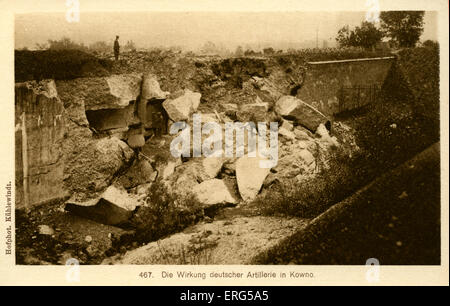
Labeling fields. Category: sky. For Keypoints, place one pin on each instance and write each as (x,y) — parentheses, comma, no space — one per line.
(190,30)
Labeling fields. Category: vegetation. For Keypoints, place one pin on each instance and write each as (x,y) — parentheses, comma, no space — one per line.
(210,48)
(365,36)
(331,54)
(164,214)
(239,52)
(66,43)
(430,44)
(395,220)
(403,27)
(101,47)
(421,69)
(57,64)
(268,51)
(312,196)
(396,128)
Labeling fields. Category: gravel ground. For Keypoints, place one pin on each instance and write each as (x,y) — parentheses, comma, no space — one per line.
(230,241)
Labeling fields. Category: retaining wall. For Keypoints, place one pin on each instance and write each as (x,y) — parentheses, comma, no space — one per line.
(324,80)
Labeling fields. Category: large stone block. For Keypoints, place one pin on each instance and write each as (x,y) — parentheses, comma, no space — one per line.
(113,207)
(115,91)
(151,88)
(250,176)
(180,109)
(302,113)
(40,122)
(212,192)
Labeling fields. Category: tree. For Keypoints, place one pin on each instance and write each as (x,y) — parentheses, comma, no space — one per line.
(43,46)
(209,48)
(130,46)
(65,43)
(366,36)
(345,37)
(403,27)
(239,52)
(101,46)
(430,44)
(268,51)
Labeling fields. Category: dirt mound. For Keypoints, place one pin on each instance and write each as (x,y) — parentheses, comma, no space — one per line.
(57,65)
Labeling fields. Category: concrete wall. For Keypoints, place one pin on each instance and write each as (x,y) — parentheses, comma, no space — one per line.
(55,149)
(40,127)
(323,80)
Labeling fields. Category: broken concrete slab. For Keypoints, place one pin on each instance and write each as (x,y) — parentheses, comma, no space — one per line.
(255,112)
(285,105)
(151,88)
(115,91)
(250,176)
(120,133)
(212,192)
(297,160)
(113,207)
(212,166)
(286,133)
(45,230)
(112,145)
(180,109)
(157,151)
(184,180)
(325,137)
(306,156)
(301,113)
(168,169)
(287,124)
(95,165)
(140,172)
(301,133)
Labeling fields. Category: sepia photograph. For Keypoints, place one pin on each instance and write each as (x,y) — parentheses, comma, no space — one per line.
(227,137)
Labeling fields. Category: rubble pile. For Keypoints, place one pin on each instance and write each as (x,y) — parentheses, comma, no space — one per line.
(117,139)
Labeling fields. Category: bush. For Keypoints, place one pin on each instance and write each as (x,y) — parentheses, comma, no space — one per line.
(314,195)
(420,66)
(65,43)
(332,54)
(164,214)
(405,123)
